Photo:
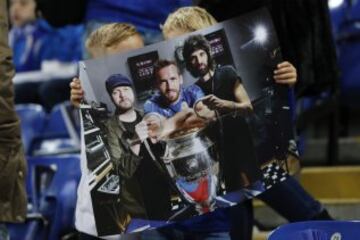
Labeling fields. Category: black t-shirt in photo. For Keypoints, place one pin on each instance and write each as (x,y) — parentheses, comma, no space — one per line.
(222,83)
(236,141)
(130,127)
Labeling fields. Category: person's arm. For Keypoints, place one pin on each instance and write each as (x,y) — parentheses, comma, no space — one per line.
(203,111)
(142,133)
(157,123)
(161,127)
(184,120)
(242,103)
(12,159)
(200,109)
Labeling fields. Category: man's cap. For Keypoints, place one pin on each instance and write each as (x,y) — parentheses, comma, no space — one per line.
(116,80)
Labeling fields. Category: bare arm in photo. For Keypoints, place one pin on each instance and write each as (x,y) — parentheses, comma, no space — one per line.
(242,103)
(181,121)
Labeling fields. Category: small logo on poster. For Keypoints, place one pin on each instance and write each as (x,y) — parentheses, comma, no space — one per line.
(336,236)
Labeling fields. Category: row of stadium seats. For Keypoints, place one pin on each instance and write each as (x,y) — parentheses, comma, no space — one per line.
(51,186)
(52,150)
(345,21)
(317,230)
(48,134)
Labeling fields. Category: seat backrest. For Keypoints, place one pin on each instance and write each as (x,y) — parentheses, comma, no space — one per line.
(317,230)
(33,120)
(59,135)
(56,126)
(51,187)
(54,181)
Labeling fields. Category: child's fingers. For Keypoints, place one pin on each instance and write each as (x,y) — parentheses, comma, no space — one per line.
(284,64)
(284,76)
(76,91)
(284,70)
(75,83)
(75,86)
(76,96)
(289,81)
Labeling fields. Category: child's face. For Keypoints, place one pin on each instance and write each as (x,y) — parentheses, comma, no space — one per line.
(22,12)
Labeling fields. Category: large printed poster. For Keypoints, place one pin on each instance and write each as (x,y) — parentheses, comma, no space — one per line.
(182,127)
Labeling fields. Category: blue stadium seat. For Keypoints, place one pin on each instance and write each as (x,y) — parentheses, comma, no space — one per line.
(33,119)
(56,126)
(349,61)
(59,135)
(317,230)
(345,21)
(52,188)
(355,11)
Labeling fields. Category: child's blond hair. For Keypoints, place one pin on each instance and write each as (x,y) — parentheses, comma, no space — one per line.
(188,19)
(109,35)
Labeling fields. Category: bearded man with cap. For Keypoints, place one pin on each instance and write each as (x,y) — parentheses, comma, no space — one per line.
(144,190)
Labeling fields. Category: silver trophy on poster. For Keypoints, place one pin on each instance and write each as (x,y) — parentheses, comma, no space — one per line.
(190,159)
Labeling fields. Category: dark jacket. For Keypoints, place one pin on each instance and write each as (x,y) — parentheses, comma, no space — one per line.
(144,189)
(12,161)
(126,164)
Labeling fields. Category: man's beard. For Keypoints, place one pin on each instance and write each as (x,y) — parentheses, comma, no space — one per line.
(203,70)
(125,105)
(174,97)
(200,72)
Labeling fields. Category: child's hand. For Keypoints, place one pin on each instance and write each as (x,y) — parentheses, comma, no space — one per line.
(76,92)
(285,73)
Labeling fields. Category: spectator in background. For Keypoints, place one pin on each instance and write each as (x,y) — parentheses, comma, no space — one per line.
(12,161)
(145,15)
(34,41)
